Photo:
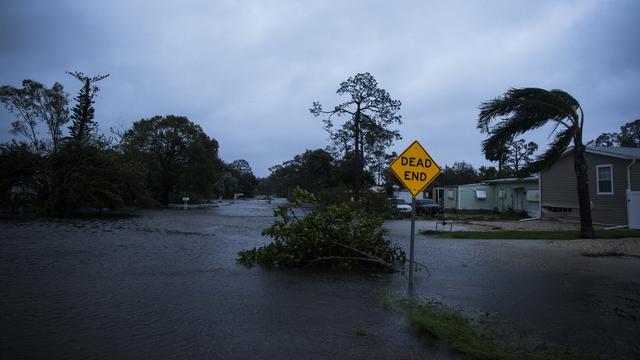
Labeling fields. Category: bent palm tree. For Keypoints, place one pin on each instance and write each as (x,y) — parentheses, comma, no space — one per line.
(525,109)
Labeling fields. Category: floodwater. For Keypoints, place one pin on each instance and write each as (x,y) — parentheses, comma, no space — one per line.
(166,285)
(590,304)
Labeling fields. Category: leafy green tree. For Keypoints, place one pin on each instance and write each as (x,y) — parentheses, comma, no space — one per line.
(629,136)
(460,173)
(380,164)
(366,133)
(202,167)
(21,182)
(176,154)
(519,154)
(498,153)
(487,173)
(241,166)
(26,165)
(32,104)
(606,140)
(525,109)
(59,175)
(313,170)
(227,185)
(83,126)
(92,177)
(242,171)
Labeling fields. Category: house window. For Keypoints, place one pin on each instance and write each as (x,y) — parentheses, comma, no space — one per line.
(604,178)
(481,194)
(502,193)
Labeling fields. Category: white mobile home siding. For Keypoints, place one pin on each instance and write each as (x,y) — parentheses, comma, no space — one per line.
(451,202)
(470,201)
(508,201)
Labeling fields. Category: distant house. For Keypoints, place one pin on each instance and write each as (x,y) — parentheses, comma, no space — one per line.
(498,195)
(614,187)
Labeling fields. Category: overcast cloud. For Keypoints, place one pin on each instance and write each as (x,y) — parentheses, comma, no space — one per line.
(248,71)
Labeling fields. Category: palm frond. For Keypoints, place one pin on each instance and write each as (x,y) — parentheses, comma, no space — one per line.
(566,98)
(510,128)
(534,102)
(559,145)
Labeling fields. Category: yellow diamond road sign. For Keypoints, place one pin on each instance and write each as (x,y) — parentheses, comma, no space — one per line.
(415,168)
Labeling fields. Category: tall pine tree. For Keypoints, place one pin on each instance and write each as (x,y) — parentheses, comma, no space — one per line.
(83,125)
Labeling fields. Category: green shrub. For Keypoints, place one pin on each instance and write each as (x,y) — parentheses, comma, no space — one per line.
(336,236)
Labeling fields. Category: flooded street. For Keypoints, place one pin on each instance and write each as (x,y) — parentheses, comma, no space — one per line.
(591,304)
(166,285)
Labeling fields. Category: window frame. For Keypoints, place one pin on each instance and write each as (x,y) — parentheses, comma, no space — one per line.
(610,166)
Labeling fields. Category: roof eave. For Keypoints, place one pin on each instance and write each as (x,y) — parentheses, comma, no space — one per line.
(602,153)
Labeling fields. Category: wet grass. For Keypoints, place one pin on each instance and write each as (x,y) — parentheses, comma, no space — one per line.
(529,235)
(488,338)
(490,216)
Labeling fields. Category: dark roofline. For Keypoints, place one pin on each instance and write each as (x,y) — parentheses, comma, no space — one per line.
(595,151)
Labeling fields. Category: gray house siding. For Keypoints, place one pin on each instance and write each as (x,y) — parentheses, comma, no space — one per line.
(609,209)
(635,176)
(558,185)
(559,192)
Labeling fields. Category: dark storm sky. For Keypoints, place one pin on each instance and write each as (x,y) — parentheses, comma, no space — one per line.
(248,71)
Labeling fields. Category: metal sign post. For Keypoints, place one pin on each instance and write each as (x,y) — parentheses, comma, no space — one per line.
(412,243)
(415,169)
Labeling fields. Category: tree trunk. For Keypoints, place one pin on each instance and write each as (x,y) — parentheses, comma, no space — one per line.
(357,166)
(584,199)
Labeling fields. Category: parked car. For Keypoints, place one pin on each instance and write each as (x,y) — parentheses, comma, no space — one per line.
(399,205)
(427,207)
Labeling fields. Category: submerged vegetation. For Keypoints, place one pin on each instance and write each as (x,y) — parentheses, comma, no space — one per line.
(485,338)
(338,236)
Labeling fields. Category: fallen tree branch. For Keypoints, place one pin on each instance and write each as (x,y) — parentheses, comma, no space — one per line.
(368,255)
(424,266)
(364,253)
(355,258)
